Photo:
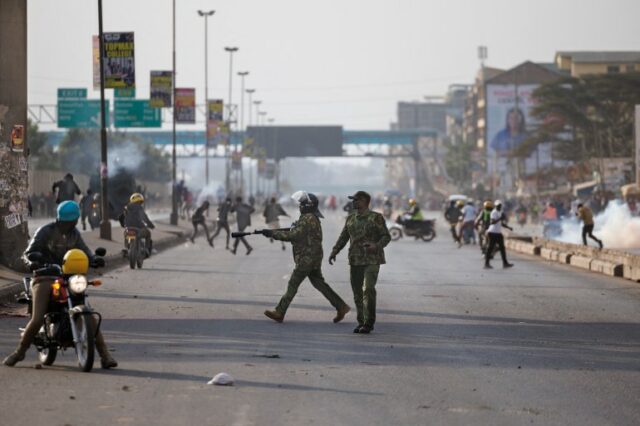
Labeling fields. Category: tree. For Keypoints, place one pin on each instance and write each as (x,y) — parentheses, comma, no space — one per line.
(586,117)
(42,155)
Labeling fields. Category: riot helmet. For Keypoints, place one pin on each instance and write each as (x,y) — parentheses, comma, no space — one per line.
(308,202)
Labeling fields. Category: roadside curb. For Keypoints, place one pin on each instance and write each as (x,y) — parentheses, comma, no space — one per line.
(613,263)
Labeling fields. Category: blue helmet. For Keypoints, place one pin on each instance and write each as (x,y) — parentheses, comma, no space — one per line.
(68,211)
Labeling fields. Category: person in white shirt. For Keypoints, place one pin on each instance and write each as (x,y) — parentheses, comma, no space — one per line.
(468,219)
(494,232)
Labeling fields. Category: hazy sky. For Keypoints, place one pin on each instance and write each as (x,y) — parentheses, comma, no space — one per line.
(323,62)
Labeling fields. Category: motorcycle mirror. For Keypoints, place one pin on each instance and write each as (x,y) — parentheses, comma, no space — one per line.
(101,251)
(35,257)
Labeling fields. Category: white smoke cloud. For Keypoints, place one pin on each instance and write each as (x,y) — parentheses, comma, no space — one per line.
(127,156)
(615,227)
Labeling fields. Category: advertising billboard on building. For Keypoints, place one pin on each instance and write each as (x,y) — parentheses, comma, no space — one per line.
(185,106)
(119,60)
(161,87)
(509,124)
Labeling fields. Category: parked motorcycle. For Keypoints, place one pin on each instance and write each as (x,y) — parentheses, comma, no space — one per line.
(423,229)
(68,320)
(136,247)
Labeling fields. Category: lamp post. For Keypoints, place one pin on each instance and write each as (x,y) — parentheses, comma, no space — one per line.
(250,92)
(231,51)
(105,224)
(242,75)
(206,89)
(173,218)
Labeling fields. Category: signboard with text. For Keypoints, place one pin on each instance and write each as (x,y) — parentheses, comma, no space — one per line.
(186,106)
(119,60)
(161,85)
(136,113)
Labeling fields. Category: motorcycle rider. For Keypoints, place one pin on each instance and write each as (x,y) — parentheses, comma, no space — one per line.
(306,237)
(134,216)
(467,219)
(414,210)
(482,223)
(387,208)
(53,241)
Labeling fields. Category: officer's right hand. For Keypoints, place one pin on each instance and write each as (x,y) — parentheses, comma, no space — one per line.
(332,259)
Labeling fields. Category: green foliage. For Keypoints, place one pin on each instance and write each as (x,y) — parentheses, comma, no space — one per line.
(586,117)
(458,163)
(42,155)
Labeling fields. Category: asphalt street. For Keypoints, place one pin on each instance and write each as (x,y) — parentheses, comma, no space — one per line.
(454,344)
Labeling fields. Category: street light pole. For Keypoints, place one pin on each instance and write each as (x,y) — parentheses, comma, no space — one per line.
(173,219)
(242,75)
(206,90)
(105,224)
(250,92)
(231,51)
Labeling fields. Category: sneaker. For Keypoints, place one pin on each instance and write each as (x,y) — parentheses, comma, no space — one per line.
(249,251)
(13,359)
(341,313)
(365,329)
(233,251)
(357,329)
(274,315)
(487,266)
(600,244)
(507,265)
(108,362)
(210,242)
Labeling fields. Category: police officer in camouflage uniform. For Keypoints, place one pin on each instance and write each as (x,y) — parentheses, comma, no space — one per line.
(368,235)
(306,238)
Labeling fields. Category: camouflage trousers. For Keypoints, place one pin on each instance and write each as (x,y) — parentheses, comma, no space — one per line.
(317,281)
(363,284)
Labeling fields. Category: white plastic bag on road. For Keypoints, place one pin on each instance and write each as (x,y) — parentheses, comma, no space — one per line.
(221,379)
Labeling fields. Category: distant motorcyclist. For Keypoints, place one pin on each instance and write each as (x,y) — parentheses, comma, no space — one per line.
(414,210)
(467,219)
(387,208)
(452,215)
(67,189)
(53,241)
(134,216)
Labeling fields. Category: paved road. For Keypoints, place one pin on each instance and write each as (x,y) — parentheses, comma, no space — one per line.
(454,344)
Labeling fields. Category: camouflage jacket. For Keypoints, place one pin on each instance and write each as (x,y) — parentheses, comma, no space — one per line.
(306,237)
(359,229)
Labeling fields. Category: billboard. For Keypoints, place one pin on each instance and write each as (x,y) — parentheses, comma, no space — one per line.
(161,85)
(508,125)
(215,123)
(96,62)
(297,141)
(186,106)
(119,63)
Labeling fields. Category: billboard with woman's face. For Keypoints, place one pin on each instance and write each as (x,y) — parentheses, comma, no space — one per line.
(508,126)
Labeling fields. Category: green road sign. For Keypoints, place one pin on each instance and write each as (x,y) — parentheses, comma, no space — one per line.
(136,113)
(80,113)
(72,93)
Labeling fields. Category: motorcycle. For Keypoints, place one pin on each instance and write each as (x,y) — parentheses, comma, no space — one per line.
(66,323)
(136,247)
(94,214)
(423,229)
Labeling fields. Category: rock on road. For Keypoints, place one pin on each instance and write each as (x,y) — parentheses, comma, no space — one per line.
(454,344)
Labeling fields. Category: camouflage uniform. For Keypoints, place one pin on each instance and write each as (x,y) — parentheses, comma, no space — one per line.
(306,238)
(359,229)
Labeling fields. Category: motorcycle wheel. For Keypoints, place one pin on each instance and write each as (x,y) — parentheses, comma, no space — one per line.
(47,356)
(141,255)
(133,253)
(85,346)
(428,236)
(395,233)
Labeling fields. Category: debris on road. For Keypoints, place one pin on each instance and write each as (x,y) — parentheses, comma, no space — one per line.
(221,379)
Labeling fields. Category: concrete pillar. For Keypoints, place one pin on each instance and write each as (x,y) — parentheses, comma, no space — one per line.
(13,111)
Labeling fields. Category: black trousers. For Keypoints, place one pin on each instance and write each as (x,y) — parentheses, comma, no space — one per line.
(495,239)
(219,227)
(587,230)
(195,228)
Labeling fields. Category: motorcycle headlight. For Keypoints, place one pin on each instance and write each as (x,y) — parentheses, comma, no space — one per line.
(78,284)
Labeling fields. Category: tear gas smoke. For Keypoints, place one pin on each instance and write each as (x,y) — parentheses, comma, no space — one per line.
(615,227)
(127,156)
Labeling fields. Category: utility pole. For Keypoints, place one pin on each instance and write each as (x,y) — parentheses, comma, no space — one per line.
(14,232)
(242,132)
(206,90)
(105,224)
(250,92)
